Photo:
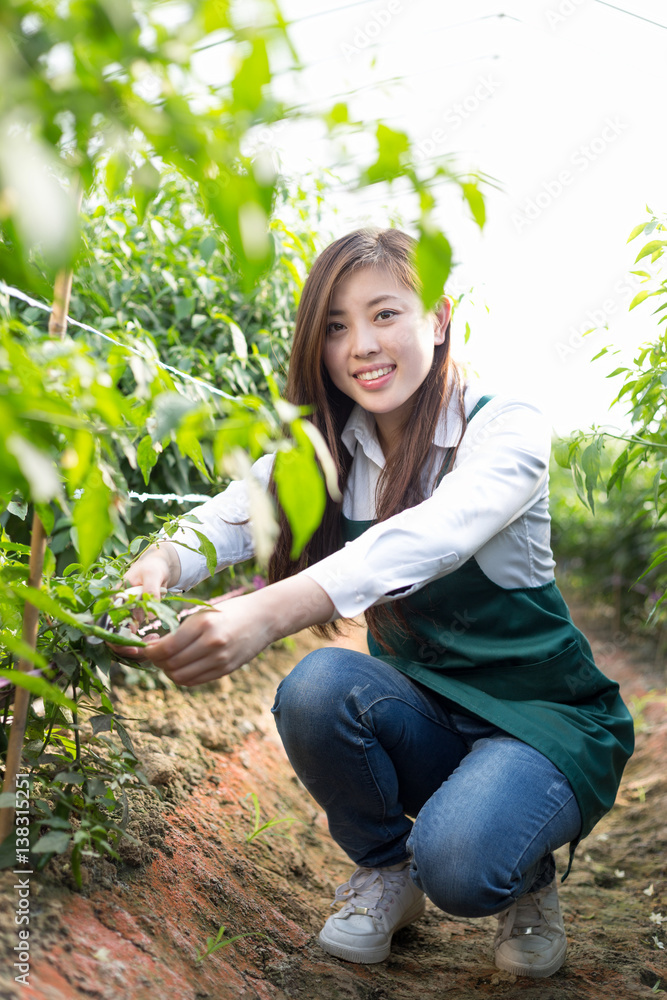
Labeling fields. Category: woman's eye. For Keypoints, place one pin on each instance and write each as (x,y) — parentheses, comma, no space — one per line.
(334,327)
(385,314)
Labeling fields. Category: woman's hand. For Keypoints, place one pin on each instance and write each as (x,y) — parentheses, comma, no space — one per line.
(210,644)
(157,569)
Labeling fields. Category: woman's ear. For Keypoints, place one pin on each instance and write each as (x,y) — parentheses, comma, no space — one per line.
(442,316)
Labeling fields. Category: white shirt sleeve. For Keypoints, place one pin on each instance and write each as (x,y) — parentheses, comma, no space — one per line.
(233,541)
(501,470)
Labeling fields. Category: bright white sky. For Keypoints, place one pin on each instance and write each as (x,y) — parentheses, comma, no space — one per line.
(535,89)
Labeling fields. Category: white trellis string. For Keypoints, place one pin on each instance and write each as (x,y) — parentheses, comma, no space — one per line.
(16,293)
(168,497)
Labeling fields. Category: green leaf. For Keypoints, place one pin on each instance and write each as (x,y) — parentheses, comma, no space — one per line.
(70,777)
(145,185)
(239,341)
(16,645)
(115,174)
(46,515)
(433,258)
(18,509)
(207,247)
(146,457)
(590,463)
(37,467)
(475,200)
(207,548)
(651,248)
(124,737)
(636,231)
(392,148)
(91,519)
(339,115)
(639,297)
(561,453)
(39,687)
(170,409)
(301,492)
(55,842)
(215,15)
(252,77)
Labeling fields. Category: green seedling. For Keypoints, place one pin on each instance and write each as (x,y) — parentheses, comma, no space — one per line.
(259,829)
(220,941)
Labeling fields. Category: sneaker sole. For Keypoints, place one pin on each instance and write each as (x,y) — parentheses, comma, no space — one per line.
(532,971)
(370,956)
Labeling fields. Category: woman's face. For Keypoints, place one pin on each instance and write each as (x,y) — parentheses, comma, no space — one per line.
(379,345)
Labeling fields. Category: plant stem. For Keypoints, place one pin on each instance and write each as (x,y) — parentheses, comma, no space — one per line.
(22,695)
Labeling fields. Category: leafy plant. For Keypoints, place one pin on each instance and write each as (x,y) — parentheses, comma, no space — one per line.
(260,829)
(639,466)
(220,941)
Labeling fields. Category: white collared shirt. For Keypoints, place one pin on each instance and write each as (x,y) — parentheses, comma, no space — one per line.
(492,505)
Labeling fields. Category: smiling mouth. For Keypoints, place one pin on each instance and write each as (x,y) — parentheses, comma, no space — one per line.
(376,373)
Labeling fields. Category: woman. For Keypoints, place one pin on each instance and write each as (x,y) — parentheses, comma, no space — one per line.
(478,735)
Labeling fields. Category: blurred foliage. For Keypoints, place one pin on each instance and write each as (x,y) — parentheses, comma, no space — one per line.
(635,481)
(108,91)
(603,555)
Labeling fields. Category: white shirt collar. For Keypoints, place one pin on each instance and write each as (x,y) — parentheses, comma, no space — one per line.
(361,428)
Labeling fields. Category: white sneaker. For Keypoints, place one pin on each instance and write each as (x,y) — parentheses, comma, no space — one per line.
(530,940)
(378,901)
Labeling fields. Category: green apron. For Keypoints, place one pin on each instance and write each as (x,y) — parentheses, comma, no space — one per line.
(515,658)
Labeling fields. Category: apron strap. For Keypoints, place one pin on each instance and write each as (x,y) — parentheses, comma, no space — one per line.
(449,454)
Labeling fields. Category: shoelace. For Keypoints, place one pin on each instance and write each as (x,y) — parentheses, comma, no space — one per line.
(369,890)
(526,916)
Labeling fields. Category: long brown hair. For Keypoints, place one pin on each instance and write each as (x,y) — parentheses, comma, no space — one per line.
(410,463)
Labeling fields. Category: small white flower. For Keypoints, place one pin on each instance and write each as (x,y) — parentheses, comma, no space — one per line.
(658,944)
(618,873)
(657,918)
(649,891)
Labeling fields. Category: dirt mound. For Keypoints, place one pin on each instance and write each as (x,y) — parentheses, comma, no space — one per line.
(135,930)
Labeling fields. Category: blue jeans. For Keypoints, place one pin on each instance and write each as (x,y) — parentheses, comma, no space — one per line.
(375,748)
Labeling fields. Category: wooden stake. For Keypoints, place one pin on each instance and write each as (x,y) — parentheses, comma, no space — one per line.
(62,289)
(57,328)
(22,696)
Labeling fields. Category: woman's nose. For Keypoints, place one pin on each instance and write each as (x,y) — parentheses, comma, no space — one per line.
(364,340)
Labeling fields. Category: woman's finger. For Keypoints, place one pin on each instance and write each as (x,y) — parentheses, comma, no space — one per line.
(132,652)
(198,672)
(190,640)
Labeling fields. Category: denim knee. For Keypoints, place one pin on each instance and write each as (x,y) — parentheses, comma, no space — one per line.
(457,874)
(312,692)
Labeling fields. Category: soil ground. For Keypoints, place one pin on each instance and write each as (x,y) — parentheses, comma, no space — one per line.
(133,932)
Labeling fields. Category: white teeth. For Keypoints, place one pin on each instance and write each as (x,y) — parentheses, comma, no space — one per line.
(369,376)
